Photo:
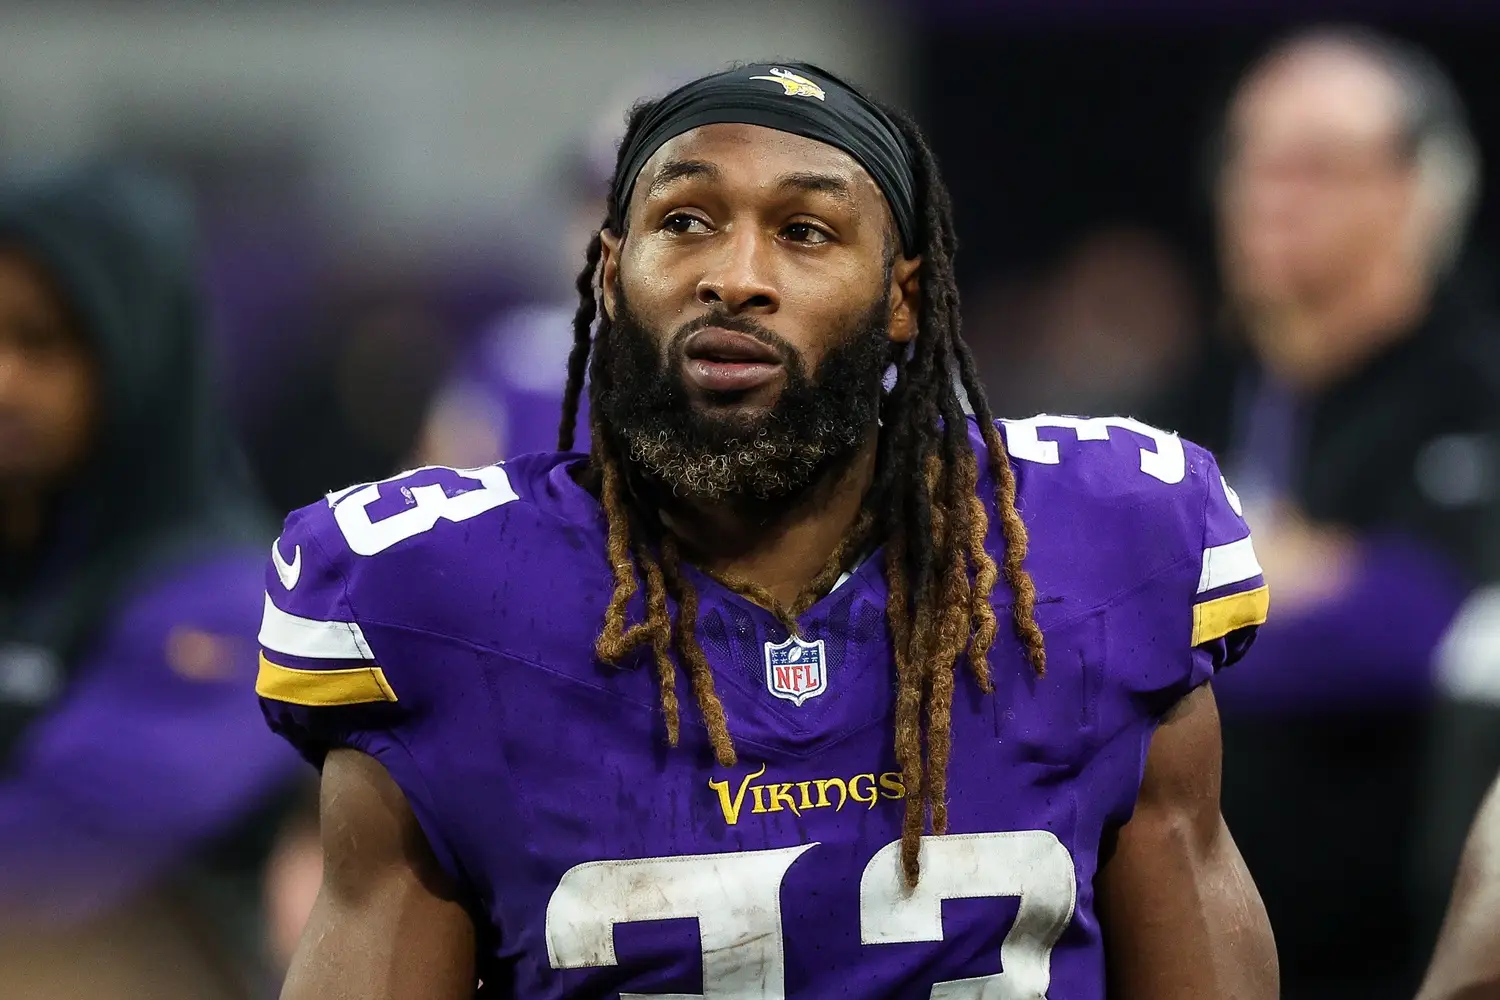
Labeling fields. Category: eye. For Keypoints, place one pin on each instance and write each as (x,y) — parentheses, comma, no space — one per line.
(681,224)
(806,233)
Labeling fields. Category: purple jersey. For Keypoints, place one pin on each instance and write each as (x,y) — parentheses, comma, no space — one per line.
(444,623)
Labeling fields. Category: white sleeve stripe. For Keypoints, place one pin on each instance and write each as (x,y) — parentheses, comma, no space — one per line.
(1226,564)
(281,632)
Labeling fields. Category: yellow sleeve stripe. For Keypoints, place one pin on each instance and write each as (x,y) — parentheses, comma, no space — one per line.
(1217,618)
(322,688)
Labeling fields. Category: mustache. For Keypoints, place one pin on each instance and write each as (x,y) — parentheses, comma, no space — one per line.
(718,319)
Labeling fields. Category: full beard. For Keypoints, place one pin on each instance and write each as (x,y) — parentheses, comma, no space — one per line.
(815,426)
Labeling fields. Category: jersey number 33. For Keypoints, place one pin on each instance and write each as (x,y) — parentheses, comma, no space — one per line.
(736,899)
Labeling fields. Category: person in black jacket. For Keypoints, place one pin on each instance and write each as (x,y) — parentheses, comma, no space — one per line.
(1354,403)
(131,551)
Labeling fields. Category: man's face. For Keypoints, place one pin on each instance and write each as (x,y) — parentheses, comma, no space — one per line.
(1315,184)
(48,392)
(755,300)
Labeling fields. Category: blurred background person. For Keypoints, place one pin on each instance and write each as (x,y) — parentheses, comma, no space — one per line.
(1465,963)
(1354,402)
(504,394)
(135,776)
(293,875)
(1108,329)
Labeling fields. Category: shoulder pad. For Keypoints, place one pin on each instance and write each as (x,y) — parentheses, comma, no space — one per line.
(349,560)
(1149,504)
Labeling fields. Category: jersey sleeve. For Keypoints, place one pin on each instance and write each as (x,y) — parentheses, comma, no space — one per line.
(363,596)
(359,587)
(1143,557)
(320,682)
(1231,598)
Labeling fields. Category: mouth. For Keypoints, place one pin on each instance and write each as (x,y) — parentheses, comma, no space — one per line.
(727,361)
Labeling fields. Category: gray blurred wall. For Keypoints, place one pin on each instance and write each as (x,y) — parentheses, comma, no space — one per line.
(412,123)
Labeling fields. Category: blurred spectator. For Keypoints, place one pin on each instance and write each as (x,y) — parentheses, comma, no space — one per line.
(505,395)
(133,765)
(1355,409)
(353,394)
(1104,332)
(1465,962)
(293,876)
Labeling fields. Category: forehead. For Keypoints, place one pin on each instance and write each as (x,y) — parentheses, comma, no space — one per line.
(1318,93)
(753,157)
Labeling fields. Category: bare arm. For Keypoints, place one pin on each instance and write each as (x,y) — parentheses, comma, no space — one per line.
(1466,965)
(386,925)
(1182,919)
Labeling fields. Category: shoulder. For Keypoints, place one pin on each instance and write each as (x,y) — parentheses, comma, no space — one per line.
(394,551)
(1136,509)
(1108,461)
(370,572)
(1114,478)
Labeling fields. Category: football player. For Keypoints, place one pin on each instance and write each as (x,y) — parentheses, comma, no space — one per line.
(725,707)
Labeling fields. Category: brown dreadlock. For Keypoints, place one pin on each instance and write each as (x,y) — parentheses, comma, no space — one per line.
(933,526)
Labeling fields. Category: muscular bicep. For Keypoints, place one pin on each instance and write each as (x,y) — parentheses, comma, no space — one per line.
(1466,964)
(1181,917)
(386,925)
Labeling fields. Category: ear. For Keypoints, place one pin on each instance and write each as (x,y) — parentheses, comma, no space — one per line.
(906,299)
(609,269)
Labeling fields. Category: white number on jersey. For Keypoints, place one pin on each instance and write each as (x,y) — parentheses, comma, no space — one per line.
(1166,463)
(743,941)
(430,504)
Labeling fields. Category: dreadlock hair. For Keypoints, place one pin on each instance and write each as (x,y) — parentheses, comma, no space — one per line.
(933,525)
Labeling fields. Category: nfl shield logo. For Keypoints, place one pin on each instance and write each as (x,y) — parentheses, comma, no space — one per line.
(796,670)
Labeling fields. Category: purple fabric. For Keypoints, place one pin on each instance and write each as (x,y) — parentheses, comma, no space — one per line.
(517,372)
(156,747)
(1369,646)
(545,784)
(1272,444)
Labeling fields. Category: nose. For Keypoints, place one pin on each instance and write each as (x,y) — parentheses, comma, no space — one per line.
(739,273)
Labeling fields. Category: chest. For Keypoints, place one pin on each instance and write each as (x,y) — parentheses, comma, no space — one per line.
(612,863)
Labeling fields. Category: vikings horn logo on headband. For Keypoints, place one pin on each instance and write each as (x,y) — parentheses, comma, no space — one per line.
(836,115)
(796,86)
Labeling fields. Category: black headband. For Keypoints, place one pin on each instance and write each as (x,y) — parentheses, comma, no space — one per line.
(795,98)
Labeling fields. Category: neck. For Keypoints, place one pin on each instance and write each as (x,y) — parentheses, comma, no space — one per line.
(1313,343)
(781,549)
